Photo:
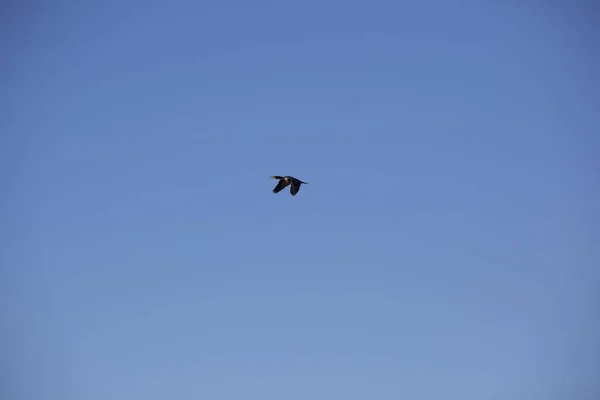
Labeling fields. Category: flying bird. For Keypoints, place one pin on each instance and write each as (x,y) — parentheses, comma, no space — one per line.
(284,181)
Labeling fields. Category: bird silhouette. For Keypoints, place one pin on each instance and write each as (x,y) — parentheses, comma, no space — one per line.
(284,181)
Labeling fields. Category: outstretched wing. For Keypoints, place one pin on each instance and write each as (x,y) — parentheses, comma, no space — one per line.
(295,187)
(280,186)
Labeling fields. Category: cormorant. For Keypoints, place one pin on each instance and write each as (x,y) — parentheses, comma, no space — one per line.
(284,181)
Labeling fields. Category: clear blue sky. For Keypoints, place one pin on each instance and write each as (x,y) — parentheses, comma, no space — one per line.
(446,246)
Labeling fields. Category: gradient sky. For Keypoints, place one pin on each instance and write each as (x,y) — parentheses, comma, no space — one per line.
(446,246)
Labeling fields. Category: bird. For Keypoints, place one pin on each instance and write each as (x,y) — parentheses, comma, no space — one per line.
(284,181)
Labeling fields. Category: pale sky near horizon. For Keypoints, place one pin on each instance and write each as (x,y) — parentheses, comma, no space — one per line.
(446,246)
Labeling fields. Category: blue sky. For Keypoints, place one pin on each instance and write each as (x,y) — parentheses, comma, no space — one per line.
(444,246)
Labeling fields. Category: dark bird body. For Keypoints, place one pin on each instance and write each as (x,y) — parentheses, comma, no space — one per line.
(284,181)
